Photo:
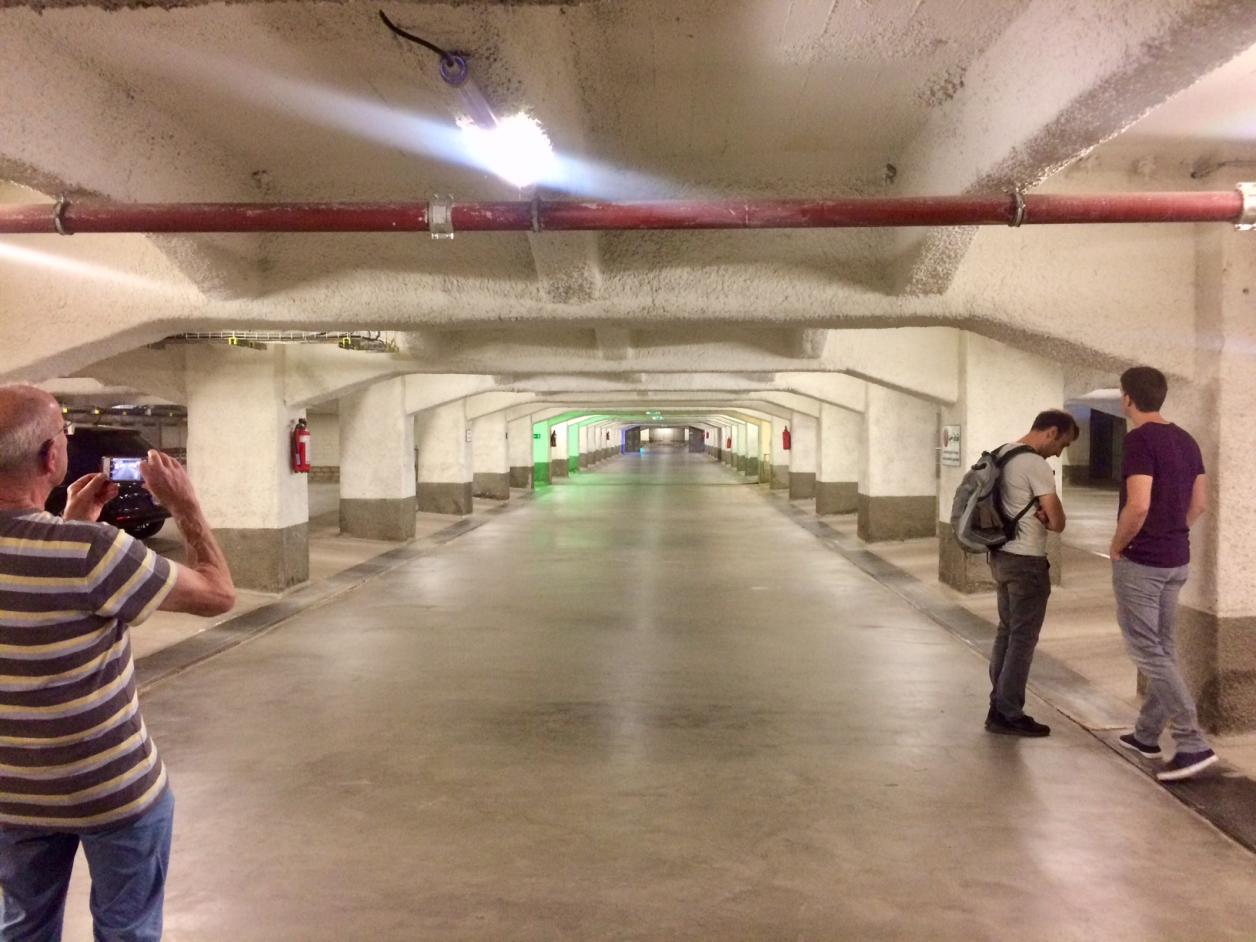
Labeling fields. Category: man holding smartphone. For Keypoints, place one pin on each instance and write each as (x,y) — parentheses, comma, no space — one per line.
(77,765)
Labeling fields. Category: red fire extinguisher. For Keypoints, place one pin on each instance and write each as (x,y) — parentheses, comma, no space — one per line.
(301,448)
(728,443)
(785,439)
(553,439)
(706,436)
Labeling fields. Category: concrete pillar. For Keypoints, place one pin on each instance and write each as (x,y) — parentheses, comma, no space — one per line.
(377,491)
(897,483)
(559,451)
(837,464)
(1217,620)
(780,457)
(751,470)
(802,457)
(490,457)
(739,447)
(1001,390)
(239,461)
(444,460)
(519,447)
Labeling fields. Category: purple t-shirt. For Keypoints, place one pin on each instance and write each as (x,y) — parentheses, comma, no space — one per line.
(1171,458)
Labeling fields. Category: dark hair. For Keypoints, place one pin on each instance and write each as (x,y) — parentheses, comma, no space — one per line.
(1059,420)
(1147,386)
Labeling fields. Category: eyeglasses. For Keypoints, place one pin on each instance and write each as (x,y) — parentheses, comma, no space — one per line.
(67,429)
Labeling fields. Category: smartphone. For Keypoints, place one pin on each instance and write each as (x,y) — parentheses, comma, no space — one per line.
(122,469)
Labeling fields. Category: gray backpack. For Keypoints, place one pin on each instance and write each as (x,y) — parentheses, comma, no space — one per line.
(978,517)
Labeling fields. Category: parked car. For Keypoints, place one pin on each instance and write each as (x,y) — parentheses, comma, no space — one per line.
(134,509)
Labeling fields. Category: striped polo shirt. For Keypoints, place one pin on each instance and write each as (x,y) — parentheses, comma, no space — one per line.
(74,753)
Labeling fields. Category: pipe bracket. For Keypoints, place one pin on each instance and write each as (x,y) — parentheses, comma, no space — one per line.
(1018,209)
(440,217)
(1247,219)
(58,216)
(536,213)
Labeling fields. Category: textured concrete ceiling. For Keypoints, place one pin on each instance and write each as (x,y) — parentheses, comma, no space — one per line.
(647,98)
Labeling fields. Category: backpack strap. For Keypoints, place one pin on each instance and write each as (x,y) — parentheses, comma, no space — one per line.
(1012,523)
(1001,460)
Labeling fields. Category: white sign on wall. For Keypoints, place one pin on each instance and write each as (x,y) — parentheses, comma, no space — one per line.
(950,446)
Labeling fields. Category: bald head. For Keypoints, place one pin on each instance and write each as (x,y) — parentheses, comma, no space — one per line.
(28,418)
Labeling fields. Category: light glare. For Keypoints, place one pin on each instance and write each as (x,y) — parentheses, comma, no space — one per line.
(518,150)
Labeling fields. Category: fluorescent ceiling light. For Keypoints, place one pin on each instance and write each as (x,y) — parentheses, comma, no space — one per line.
(517,149)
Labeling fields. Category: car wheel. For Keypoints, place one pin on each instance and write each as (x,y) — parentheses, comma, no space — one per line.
(142,531)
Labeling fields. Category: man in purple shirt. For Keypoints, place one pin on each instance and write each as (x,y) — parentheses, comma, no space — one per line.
(1163,492)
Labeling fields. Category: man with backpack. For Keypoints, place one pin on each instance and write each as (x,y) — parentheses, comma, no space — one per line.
(1022,574)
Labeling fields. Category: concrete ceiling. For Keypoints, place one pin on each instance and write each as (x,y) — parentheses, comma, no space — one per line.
(643,98)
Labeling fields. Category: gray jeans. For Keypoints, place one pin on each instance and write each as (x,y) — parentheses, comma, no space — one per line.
(1146,609)
(1024,585)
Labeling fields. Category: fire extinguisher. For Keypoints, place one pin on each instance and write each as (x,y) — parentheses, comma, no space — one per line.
(785,439)
(728,443)
(553,439)
(706,436)
(301,448)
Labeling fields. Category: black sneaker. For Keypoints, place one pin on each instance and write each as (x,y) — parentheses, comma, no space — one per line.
(1185,764)
(1129,741)
(1021,726)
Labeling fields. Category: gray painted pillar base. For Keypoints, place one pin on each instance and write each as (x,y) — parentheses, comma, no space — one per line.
(267,560)
(897,518)
(378,518)
(1218,658)
(584,459)
(558,468)
(438,498)
(752,468)
(494,485)
(780,477)
(802,485)
(962,571)
(739,462)
(521,476)
(837,497)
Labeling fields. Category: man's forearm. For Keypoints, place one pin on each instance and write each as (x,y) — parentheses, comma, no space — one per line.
(203,552)
(1128,524)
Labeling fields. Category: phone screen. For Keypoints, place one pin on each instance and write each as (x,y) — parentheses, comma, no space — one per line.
(123,469)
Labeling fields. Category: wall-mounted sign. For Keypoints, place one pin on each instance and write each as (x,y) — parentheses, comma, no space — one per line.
(950,446)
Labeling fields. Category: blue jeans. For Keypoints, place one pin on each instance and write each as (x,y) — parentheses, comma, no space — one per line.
(128,867)
(1146,610)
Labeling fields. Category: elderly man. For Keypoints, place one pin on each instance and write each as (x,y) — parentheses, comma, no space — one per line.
(76,762)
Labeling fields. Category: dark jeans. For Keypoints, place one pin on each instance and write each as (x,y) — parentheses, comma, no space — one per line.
(128,867)
(1024,585)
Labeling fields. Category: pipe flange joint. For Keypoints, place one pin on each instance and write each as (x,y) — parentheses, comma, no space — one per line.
(440,217)
(1018,209)
(1247,219)
(58,216)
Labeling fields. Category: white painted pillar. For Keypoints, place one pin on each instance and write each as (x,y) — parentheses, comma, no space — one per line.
(519,447)
(377,480)
(1001,390)
(897,483)
(751,469)
(239,461)
(802,457)
(444,459)
(780,457)
(837,464)
(739,447)
(558,451)
(490,457)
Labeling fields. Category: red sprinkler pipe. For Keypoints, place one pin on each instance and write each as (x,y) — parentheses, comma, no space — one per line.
(443,217)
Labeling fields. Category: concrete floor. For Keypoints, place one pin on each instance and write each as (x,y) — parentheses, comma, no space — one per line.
(636,711)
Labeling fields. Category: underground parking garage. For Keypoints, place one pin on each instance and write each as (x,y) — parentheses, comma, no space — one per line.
(578,392)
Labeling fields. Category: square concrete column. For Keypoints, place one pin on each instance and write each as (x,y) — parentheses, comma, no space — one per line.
(802,457)
(586,440)
(559,452)
(519,447)
(739,447)
(751,469)
(490,457)
(1217,621)
(1001,390)
(239,459)
(780,457)
(377,480)
(837,464)
(897,483)
(444,459)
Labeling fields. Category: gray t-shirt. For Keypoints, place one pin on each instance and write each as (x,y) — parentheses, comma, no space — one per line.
(1025,477)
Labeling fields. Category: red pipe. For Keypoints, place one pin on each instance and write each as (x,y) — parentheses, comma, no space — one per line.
(539,215)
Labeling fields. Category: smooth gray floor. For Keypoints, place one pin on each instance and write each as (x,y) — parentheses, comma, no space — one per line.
(647,706)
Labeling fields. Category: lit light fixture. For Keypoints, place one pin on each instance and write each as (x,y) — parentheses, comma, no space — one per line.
(515,148)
